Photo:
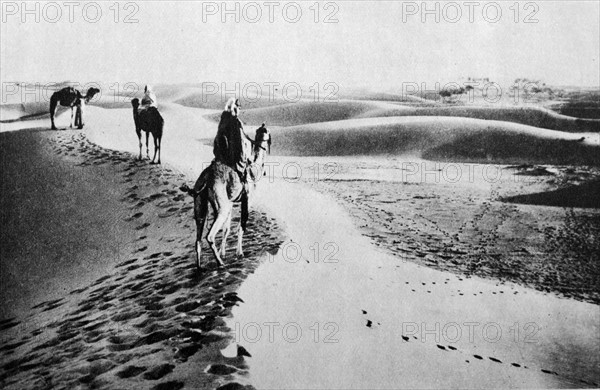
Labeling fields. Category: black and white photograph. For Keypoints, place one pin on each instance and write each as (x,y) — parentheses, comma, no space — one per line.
(299,195)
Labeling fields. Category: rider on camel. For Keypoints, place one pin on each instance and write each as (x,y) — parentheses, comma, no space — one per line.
(232,146)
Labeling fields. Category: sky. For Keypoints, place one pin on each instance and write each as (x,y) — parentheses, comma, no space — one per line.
(376,44)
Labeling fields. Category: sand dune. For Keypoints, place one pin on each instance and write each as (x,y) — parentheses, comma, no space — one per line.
(531,116)
(406,99)
(277,111)
(452,139)
(120,309)
(152,321)
(200,99)
(14,112)
(307,112)
(292,114)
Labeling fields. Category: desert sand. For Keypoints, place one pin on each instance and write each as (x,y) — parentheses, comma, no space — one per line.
(366,251)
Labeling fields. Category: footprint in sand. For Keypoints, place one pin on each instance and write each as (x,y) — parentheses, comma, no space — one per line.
(187,350)
(234,386)
(188,306)
(221,369)
(130,371)
(127,262)
(159,371)
(549,372)
(171,385)
(135,216)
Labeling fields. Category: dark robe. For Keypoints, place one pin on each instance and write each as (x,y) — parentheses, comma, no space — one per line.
(231,144)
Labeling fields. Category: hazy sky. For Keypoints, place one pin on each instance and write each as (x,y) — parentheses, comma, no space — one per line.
(370,44)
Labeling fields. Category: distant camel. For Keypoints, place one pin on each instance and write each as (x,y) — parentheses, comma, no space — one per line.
(221,185)
(70,97)
(150,121)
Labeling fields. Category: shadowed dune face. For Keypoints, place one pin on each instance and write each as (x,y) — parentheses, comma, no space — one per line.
(451,139)
(293,114)
(581,196)
(508,148)
(18,111)
(141,315)
(530,116)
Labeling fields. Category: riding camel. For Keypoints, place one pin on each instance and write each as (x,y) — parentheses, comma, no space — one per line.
(71,97)
(221,186)
(150,121)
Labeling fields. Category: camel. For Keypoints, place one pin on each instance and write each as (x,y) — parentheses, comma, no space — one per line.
(150,121)
(221,186)
(71,97)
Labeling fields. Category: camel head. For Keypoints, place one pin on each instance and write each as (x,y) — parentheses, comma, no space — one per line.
(135,102)
(91,93)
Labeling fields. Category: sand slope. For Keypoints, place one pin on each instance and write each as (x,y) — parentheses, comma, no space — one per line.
(292,114)
(531,116)
(152,321)
(39,186)
(438,138)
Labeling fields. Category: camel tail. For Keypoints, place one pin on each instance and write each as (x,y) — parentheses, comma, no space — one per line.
(185,188)
(196,191)
(201,184)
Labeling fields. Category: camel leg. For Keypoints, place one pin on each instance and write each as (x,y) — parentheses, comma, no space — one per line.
(53,106)
(200,212)
(72,117)
(156,148)
(159,139)
(221,215)
(147,148)
(79,117)
(243,223)
(139,135)
(226,229)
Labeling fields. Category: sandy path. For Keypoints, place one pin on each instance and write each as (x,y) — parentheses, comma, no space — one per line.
(375,305)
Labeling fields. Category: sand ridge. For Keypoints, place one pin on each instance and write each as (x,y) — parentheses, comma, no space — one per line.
(153,320)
